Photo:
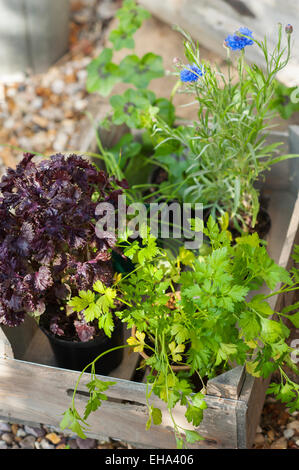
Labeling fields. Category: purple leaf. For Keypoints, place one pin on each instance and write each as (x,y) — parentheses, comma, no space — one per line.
(84,331)
(43,279)
(49,248)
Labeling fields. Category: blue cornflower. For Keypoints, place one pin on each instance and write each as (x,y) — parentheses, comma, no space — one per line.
(191,73)
(236,41)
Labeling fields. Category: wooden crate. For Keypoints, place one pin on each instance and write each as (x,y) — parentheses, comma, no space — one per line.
(34,390)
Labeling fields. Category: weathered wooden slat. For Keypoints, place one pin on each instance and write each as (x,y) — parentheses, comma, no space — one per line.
(5,346)
(249,407)
(39,350)
(33,392)
(33,34)
(21,336)
(228,384)
(294,166)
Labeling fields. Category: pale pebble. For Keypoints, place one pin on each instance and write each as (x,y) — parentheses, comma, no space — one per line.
(58,86)
(46,444)
(281,443)
(7,437)
(27,442)
(293,425)
(5,427)
(21,433)
(288,433)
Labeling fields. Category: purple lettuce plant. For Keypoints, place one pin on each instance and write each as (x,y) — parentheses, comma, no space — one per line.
(49,249)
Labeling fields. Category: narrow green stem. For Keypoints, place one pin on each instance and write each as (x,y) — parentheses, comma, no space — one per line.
(90,365)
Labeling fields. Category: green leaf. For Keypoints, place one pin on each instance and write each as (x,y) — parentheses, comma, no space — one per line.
(252,240)
(99,287)
(238,293)
(102,74)
(166,110)
(273,274)
(80,303)
(194,415)
(273,388)
(121,39)
(186,257)
(180,332)
(157,416)
(250,325)
(193,436)
(260,306)
(132,250)
(131,17)
(96,387)
(224,352)
(131,107)
(71,420)
(196,224)
(106,301)
(91,312)
(94,402)
(149,252)
(125,150)
(198,401)
(106,323)
(175,350)
(271,330)
(294,318)
(140,72)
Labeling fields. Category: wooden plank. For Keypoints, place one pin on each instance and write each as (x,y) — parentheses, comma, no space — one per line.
(281,211)
(20,336)
(294,164)
(47,29)
(278,176)
(5,346)
(42,393)
(39,350)
(33,35)
(249,408)
(228,384)
(14,55)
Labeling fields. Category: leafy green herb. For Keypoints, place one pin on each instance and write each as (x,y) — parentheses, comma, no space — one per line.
(200,318)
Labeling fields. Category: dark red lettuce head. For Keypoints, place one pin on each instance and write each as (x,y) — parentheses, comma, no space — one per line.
(49,249)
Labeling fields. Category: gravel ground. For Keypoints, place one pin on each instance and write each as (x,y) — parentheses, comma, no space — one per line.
(41,113)
(278,429)
(18,436)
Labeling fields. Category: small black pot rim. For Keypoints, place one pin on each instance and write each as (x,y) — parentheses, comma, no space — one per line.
(100,338)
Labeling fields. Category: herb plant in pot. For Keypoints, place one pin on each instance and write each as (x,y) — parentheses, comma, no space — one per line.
(49,251)
(189,337)
(220,158)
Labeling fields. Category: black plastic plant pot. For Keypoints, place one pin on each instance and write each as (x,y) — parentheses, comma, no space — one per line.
(76,355)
